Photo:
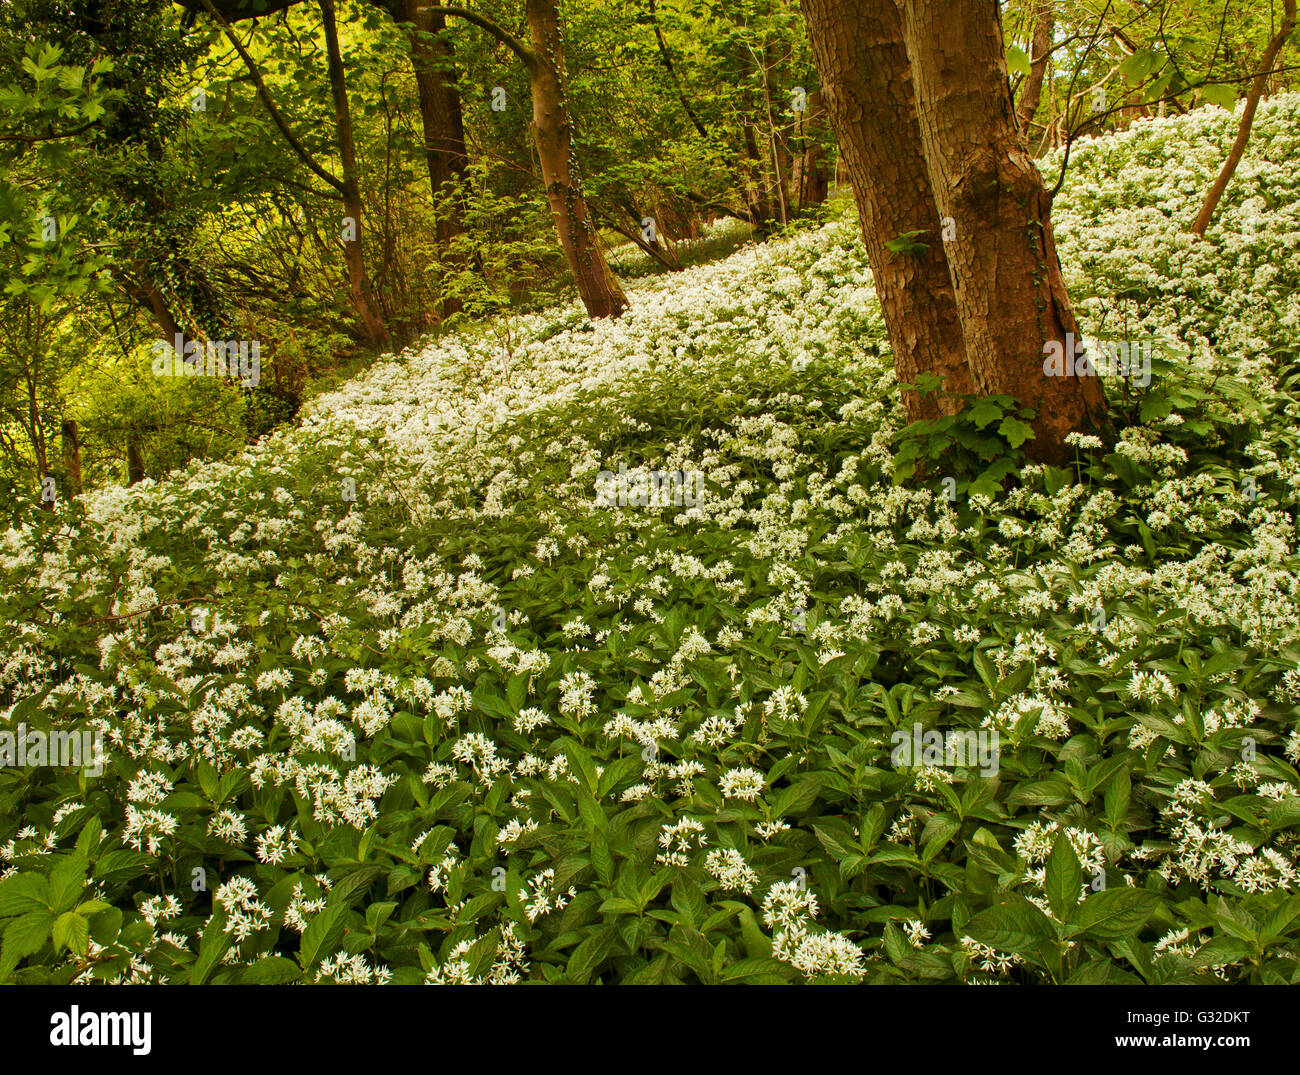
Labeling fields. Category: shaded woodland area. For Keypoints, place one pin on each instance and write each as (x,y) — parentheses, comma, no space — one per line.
(331,180)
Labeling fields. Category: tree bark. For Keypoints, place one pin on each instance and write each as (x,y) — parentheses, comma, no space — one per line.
(1041,49)
(70,435)
(553,134)
(439,100)
(867,89)
(376,335)
(438,96)
(814,181)
(1011,295)
(149,297)
(1257,87)
(134,460)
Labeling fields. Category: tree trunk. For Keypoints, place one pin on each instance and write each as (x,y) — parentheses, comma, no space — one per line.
(71,438)
(1011,295)
(553,134)
(438,95)
(1032,91)
(858,47)
(36,432)
(814,182)
(778,134)
(374,332)
(134,460)
(149,297)
(1229,168)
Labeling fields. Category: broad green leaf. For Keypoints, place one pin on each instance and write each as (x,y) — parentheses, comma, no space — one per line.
(1064,878)
(1113,914)
(71,931)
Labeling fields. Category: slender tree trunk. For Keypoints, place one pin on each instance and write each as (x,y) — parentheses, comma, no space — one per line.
(782,159)
(376,335)
(553,134)
(814,182)
(70,435)
(134,460)
(36,433)
(1032,91)
(149,297)
(759,200)
(867,88)
(438,95)
(1011,295)
(1247,121)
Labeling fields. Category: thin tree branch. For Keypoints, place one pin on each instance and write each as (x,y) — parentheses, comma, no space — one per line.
(504,36)
(271,108)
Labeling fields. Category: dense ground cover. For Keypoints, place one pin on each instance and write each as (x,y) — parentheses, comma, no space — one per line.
(399,696)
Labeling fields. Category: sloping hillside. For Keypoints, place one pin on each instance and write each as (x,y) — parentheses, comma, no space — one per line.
(617,651)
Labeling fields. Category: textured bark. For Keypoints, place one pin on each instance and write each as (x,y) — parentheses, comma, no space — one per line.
(553,134)
(1011,296)
(858,47)
(374,332)
(1257,88)
(1032,91)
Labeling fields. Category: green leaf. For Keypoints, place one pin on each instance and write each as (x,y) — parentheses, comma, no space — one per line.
(105,925)
(602,858)
(212,946)
(67,881)
(1113,914)
(1223,96)
(1016,926)
(71,931)
(589,955)
(756,942)
(23,937)
(1064,880)
(1016,431)
(583,767)
(983,412)
(273,970)
(22,893)
(321,937)
(1018,62)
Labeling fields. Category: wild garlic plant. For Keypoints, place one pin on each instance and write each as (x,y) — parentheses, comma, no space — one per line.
(396,697)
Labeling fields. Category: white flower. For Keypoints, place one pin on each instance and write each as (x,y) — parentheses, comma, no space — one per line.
(746,784)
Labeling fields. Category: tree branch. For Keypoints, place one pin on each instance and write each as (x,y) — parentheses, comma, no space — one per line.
(672,72)
(265,95)
(504,36)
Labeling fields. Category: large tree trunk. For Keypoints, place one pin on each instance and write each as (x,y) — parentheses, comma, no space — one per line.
(867,88)
(374,331)
(1041,49)
(1011,296)
(553,134)
(1229,168)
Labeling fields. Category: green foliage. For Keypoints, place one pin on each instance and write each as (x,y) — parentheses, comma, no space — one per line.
(979,446)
